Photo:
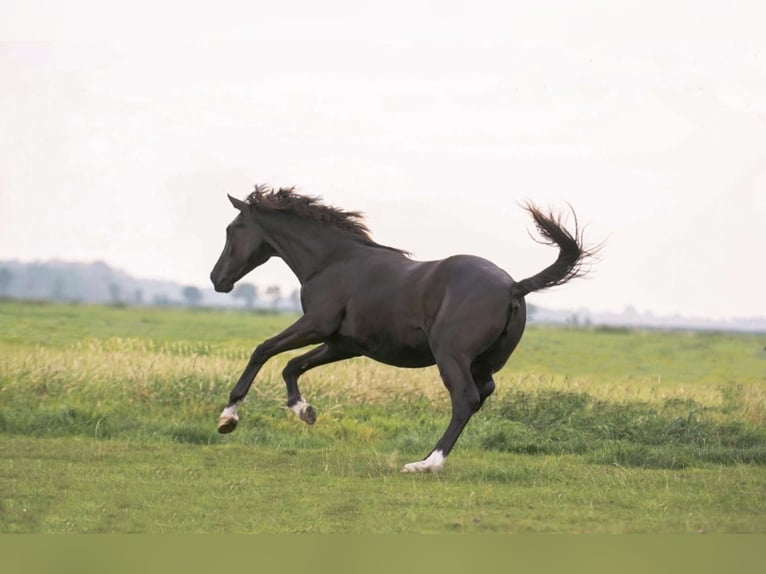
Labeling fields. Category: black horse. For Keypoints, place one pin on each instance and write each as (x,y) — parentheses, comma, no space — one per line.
(462,313)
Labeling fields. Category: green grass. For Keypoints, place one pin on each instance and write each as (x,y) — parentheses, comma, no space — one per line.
(107,424)
(79,485)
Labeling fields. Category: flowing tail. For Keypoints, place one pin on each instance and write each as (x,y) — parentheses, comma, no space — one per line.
(572,254)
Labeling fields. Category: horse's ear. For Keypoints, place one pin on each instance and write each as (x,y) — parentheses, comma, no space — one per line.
(238,203)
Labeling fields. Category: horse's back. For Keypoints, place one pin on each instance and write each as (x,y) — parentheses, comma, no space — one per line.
(459,269)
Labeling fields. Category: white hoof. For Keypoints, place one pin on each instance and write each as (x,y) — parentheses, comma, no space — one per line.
(433,463)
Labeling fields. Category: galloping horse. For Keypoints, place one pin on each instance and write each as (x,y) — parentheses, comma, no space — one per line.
(463,313)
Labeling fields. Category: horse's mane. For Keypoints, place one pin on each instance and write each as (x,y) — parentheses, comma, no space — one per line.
(287,200)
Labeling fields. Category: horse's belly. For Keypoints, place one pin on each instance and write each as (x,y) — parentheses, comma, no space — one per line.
(402,357)
(409,349)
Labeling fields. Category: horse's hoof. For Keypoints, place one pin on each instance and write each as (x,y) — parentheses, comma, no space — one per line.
(227,424)
(308,415)
(304,411)
(434,462)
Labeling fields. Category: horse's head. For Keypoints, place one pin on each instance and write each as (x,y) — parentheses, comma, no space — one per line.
(246,248)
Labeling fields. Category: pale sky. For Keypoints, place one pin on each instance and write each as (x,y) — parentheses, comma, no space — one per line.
(122,131)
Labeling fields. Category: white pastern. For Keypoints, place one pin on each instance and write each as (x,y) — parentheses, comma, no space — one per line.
(230,412)
(433,463)
(300,407)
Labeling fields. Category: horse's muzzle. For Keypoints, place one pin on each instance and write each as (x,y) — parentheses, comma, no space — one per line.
(221,285)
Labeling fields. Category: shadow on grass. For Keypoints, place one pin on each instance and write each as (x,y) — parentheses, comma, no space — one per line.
(673,434)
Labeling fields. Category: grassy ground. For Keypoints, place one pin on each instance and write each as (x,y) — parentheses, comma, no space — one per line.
(107,424)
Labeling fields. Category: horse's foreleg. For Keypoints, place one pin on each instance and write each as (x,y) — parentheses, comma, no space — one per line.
(322,355)
(229,418)
(299,334)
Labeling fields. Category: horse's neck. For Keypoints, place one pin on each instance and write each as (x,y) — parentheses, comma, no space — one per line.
(308,248)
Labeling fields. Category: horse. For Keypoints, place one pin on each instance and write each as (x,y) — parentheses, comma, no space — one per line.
(360,298)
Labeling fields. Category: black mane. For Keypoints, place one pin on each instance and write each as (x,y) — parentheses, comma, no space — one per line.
(287,200)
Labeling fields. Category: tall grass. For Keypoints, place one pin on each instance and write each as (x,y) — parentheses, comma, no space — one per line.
(632,398)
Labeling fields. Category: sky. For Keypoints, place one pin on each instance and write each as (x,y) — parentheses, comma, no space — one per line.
(123,127)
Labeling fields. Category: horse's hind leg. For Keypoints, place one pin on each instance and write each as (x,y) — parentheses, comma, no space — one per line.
(485,384)
(456,374)
(485,388)
(322,355)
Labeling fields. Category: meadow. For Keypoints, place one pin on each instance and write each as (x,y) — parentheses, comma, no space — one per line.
(108,424)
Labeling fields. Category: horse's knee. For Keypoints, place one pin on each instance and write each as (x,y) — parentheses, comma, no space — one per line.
(295,368)
(260,353)
(291,371)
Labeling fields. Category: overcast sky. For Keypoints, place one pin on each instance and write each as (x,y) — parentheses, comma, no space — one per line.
(122,131)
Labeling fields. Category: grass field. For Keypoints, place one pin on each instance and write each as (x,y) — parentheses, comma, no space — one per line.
(108,416)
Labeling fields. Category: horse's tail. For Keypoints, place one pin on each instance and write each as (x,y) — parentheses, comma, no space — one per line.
(572,253)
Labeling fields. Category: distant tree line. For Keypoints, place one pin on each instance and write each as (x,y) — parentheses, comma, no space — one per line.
(100,283)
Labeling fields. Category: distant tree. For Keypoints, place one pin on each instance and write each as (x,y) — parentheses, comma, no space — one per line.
(192,295)
(248,292)
(37,279)
(6,277)
(115,293)
(161,300)
(138,297)
(58,290)
(275,293)
(295,299)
